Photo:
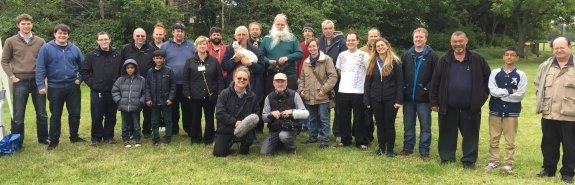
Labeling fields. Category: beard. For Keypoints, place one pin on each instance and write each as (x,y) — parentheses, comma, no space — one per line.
(216,41)
(280,35)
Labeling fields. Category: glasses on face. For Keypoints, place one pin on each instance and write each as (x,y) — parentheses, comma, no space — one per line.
(140,36)
(241,79)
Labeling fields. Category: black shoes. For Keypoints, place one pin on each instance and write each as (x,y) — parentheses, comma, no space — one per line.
(379,152)
(468,165)
(567,179)
(44,141)
(309,141)
(405,153)
(77,140)
(545,173)
(52,146)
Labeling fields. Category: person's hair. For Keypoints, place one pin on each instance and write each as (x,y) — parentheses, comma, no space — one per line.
(281,16)
(422,30)
(62,27)
(390,58)
(241,28)
(102,33)
(179,25)
(201,39)
(215,29)
(353,33)
(313,40)
(376,29)
(242,69)
(510,48)
(23,17)
(326,22)
(459,33)
(255,23)
(159,26)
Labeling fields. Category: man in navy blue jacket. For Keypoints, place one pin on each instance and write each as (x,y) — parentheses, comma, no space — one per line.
(59,62)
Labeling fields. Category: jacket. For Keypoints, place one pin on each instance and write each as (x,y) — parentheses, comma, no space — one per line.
(160,85)
(177,55)
(309,84)
(60,66)
(479,79)
(143,56)
(556,93)
(19,57)
(129,91)
(203,84)
(305,52)
(336,46)
(378,88)
(219,55)
(417,75)
(101,69)
(504,102)
(257,70)
(231,108)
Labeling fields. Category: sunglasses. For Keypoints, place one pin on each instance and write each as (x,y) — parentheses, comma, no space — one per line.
(241,79)
(140,36)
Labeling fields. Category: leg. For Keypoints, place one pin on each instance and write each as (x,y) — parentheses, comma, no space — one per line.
(447,141)
(147,123)
(323,112)
(246,142)
(97,109)
(73,105)
(186,116)
(56,98)
(469,126)
(136,125)
(195,131)
(359,123)
(271,144)
(166,112)
(126,120)
(314,122)
(495,129)
(39,101)
(409,116)
(509,132)
(550,144)
(390,113)
(568,141)
(156,113)
(176,110)
(287,139)
(110,116)
(209,128)
(345,109)
(379,119)
(20,99)
(222,145)
(424,115)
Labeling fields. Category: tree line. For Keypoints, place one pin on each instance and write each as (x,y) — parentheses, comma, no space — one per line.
(488,23)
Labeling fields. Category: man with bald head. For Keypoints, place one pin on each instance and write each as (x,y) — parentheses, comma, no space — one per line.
(555,90)
(372,35)
(141,51)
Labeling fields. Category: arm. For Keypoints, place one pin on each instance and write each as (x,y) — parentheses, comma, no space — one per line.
(398,70)
(87,70)
(518,95)
(221,81)
(116,94)
(186,85)
(172,94)
(494,89)
(41,68)
(143,92)
(331,76)
(6,58)
(228,63)
(79,62)
(435,83)
(148,94)
(222,114)
(266,112)
(366,90)
(298,102)
(259,67)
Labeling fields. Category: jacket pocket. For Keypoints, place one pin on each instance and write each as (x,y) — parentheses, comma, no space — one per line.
(546,107)
(569,81)
(568,106)
(549,80)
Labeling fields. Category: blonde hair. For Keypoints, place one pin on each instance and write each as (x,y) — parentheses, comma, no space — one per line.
(201,39)
(388,61)
(422,30)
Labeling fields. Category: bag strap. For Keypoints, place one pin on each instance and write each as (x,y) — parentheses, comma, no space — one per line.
(316,76)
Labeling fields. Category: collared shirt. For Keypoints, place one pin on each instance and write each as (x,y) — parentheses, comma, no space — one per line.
(26,38)
(240,94)
(459,87)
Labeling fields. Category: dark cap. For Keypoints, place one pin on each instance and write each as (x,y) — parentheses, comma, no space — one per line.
(179,25)
(308,25)
(159,53)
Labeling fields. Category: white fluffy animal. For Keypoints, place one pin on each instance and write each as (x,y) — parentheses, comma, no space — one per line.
(247,124)
(240,50)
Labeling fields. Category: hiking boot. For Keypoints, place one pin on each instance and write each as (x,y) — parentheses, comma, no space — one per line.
(490,166)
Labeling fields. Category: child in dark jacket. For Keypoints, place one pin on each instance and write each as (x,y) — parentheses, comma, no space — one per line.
(129,93)
(160,92)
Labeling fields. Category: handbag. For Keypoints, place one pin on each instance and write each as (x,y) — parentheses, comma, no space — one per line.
(9,144)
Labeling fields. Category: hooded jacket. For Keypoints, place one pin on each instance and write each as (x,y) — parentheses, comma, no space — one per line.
(129,91)
(60,65)
(336,46)
(101,69)
(231,108)
(417,72)
(143,56)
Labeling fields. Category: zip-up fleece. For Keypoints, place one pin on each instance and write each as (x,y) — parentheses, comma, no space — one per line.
(60,66)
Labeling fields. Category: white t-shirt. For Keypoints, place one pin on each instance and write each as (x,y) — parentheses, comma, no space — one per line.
(353,68)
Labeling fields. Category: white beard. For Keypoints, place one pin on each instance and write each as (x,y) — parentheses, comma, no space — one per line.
(280,36)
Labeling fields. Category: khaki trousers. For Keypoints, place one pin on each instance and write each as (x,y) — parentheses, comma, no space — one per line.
(506,126)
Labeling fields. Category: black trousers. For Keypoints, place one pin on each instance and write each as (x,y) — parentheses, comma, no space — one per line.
(468,124)
(385,120)
(347,103)
(224,142)
(196,128)
(184,103)
(556,133)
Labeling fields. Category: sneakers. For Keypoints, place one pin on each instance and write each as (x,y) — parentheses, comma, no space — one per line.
(44,141)
(162,129)
(338,139)
(138,143)
(545,173)
(490,166)
(405,153)
(507,168)
(363,147)
(127,144)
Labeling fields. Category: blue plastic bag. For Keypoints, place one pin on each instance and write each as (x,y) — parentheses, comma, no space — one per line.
(9,144)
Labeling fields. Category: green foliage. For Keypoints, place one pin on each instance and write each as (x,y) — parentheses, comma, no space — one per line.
(85,37)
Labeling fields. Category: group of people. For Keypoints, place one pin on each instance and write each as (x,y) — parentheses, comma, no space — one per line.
(292,87)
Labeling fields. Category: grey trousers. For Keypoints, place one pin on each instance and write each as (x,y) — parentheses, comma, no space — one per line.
(278,140)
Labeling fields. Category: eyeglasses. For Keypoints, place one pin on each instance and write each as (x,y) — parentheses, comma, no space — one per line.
(241,79)
(140,36)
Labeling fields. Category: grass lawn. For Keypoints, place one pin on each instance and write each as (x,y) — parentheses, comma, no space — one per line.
(182,163)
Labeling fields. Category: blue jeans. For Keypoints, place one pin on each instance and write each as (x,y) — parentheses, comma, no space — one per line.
(70,95)
(102,109)
(423,112)
(319,122)
(130,120)
(20,91)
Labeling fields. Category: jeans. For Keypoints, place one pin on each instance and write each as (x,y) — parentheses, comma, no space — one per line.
(412,110)
(102,108)
(278,140)
(319,122)
(20,91)
(70,95)
(166,112)
(130,120)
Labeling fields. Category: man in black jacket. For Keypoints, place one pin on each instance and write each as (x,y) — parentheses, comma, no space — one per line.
(458,91)
(100,71)
(141,51)
(235,104)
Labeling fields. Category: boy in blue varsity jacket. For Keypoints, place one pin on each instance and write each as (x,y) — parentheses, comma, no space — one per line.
(507,87)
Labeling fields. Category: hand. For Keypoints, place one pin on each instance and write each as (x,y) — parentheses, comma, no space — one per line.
(276,114)
(238,123)
(320,94)
(42,91)
(245,61)
(287,113)
(282,60)
(149,103)
(15,80)
(237,57)
(369,107)
(272,62)
(301,94)
(77,82)
(397,105)
(514,90)
(435,109)
(168,102)
(189,97)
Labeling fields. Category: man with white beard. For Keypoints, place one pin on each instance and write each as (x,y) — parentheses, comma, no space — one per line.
(280,49)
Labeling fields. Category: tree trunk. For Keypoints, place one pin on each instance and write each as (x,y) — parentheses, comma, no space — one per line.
(522,22)
(223,15)
(493,28)
(101,6)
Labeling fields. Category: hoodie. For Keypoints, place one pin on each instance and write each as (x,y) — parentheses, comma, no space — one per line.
(60,65)
(129,91)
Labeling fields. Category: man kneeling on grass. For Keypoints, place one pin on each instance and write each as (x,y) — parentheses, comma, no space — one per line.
(283,109)
(507,86)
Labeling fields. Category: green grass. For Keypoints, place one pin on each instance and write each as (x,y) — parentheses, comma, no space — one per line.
(182,163)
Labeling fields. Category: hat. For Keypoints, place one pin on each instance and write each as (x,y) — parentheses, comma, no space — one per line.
(179,26)
(280,76)
(308,25)
(159,53)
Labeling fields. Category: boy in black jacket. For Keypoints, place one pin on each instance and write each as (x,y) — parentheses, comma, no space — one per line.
(160,91)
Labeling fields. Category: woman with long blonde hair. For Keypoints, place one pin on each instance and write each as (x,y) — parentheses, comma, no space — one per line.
(384,93)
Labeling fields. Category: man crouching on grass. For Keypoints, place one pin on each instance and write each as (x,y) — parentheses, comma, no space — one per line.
(283,109)
(236,115)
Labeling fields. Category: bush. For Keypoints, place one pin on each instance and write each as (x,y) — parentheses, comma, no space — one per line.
(85,36)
